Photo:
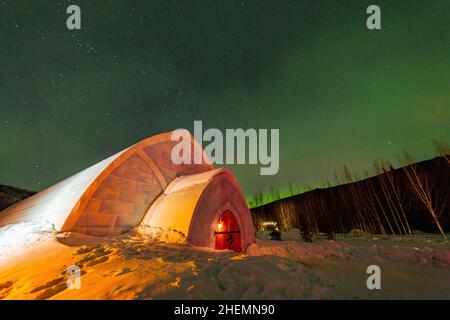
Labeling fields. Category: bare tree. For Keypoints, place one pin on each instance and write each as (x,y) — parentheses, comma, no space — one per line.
(392,194)
(305,231)
(424,187)
(287,214)
(443,149)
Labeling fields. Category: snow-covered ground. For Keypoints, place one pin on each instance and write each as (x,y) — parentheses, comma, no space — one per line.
(150,263)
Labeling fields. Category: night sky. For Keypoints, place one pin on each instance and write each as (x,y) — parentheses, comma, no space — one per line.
(338,92)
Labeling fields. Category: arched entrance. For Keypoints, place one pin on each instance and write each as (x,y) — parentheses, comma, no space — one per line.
(228,233)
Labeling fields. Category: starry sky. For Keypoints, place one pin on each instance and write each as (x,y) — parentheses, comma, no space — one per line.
(338,92)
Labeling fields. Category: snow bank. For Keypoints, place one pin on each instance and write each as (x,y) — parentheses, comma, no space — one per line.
(155,234)
(263,235)
(14,238)
(292,234)
(330,249)
(358,233)
(427,257)
(253,278)
(303,252)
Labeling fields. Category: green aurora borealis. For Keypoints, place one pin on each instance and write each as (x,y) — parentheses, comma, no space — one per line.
(338,92)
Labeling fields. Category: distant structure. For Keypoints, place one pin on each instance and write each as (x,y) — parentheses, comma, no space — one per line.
(141,184)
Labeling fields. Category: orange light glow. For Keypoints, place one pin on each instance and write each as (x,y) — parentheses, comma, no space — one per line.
(219,225)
